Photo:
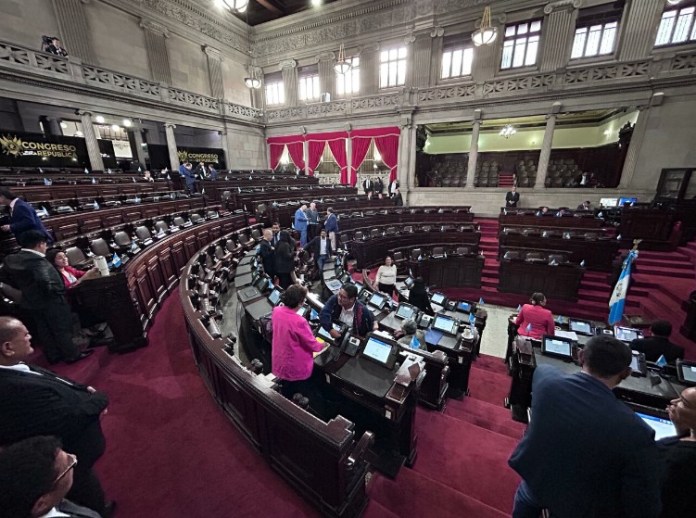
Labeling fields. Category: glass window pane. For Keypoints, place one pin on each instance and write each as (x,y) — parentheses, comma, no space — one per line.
(681,31)
(457,63)
(355,84)
(384,56)
(536,26)
(608,37)
(280,93)
(392,74)
(665,29)
(520,46)
(446,62)
(468,61)
(383,75)
(593,41)
(402,52)
(693,33)
(522,28)
(303,90)
(393,54)
(578,43)
(532,47)
(402,73)
(506,61)
(355,61)
(509,31)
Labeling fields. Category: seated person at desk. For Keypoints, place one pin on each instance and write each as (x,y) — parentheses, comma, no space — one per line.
(293,344)
(679,486)
(418,296)
(544,211)
(585,205)
(320,246)
(410,335)
(534,319)
(658,344)
(71,276)
(347,309)
(386,276)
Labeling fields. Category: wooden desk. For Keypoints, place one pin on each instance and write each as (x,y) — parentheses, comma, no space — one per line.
(529,219)
(561,282)
(452,272)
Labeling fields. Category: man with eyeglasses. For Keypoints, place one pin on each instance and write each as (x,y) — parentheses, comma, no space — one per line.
(35,476)
(348,310)
(36,401)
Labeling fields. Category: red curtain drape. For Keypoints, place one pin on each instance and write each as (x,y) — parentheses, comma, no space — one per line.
(360,147)
(315,150)
(388,147)
(274,154)
(296,152)
(338,150)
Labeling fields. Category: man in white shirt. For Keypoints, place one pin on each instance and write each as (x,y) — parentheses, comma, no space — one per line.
(320,247)
(35,476)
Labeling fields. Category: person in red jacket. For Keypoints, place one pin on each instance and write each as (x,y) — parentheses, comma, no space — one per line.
(534,319)
(71,276)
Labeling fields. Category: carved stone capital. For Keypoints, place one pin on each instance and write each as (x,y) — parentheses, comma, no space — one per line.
(169,125)
(288,63)
(153,26)
(212,52)
(556,108)
(478,115)
(437,32)
(326,56)
(409,39)
(83,113)
(560,5)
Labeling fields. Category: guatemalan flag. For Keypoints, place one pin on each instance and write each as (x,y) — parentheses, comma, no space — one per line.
(618,296)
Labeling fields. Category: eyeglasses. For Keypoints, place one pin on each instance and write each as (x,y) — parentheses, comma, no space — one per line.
(73,463)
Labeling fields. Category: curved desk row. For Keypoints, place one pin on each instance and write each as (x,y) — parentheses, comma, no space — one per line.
(525,277)
(529,218)
(323,461)
(400,216)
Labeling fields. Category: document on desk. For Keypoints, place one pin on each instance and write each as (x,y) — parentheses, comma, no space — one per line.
(570,335)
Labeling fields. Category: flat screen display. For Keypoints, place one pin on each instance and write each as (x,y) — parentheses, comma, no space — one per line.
(557,347)
(688,372)
(627,334)
(377,350)
(377,300)
(445,324)
(663,427)
(405,311)
(464,306)
(359,285)
(627,201)
(437,298)
(274,297)
(635,362)
(608,202)
(409,282)
(581,327)
(301,310)
(324,334)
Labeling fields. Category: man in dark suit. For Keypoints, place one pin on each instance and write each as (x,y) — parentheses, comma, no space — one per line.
(368,187)
(35,476)
(320,247)
(267,253)
(585,453)
(658,344)
(22,216)
(43,296)
(37,402)
(512,198)
(275,228)
(348,310)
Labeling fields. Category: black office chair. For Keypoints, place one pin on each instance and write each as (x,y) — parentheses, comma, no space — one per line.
(416,253)
(462,250)
(535,257)
(558,259)
(76,257)
(438,252)
(511,255)
(375,232)
(100,247)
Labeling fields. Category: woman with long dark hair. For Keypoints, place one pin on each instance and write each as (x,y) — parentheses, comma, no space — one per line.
(285,259)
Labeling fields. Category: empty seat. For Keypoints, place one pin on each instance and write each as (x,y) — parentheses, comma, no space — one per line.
(179,221)
(375,232)
(196,218)
(358,236)
(557,259)
(100,247)
(416,253)
(161,226)
(76,257)
(143,233)
(438,252)
(398,257)
(535,257)
(122,239)
(512,255)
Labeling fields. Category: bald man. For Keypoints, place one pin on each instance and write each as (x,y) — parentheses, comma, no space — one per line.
(34,401)
(267,252)
(679,488)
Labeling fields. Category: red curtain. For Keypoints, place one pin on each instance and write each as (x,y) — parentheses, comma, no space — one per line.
(360,147)
(275,152)
(316,149)
(296,152)
(338,150)
(388,147)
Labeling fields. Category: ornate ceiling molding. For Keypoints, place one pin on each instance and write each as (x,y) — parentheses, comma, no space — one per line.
(561,5)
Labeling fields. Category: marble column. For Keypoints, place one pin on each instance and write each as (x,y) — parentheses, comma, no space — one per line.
(226,138)
(214,59)
(421,60)
(637,138)
(560,28)
(403,172)
(95,158)
(473,154)
(638,31)
(327,74)
(171,146)
(156,49)
(369,70)
(74,30)
(545,154)
(436,55)
(349,158)
(305,155)
(138,141)
(258,95)
(288,68)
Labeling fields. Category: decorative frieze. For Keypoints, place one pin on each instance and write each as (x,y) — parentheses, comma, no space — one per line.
(106,79)
(597,73)
(445,93)
(521,84)
(190,99)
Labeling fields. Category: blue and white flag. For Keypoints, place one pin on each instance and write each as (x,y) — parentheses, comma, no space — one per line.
(519,307)
(116,261)
(481,302)
(661,361)
(618,296)
(415,343)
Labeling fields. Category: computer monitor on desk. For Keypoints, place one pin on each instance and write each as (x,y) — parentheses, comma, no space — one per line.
(378,301)
(557,347)
(465,306)
(408,282)
(274,297)
(380,351)
(438,298)
(627,334)
(608,203)
(581,327)
(686,372)
(406,311)
(446,325)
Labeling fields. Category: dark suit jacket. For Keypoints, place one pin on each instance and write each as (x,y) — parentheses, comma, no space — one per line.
(363,320)
(585,453)
(654,346)
(41,284)
(43,405)
(267,254)
(24,218)
(314,246)
(511,199)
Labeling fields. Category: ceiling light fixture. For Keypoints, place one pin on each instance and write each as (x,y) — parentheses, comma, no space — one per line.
(673,2)
(99,119)
(236,6)
(342,66)
(316,3)
(486,33)
(252,81)
(507,131)
(127,123)
(115,127)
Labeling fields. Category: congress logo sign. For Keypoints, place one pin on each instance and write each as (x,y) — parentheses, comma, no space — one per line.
(16,147)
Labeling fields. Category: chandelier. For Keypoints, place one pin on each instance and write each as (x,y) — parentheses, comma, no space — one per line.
(237,6)
(342,66)
(252,81)
(507,131)
(486,33)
